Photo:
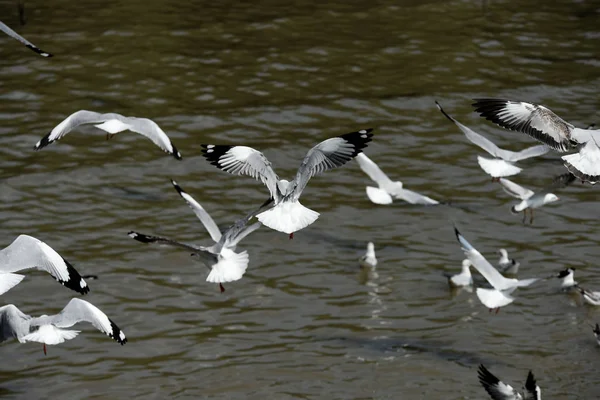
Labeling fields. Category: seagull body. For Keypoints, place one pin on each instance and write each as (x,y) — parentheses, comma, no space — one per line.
(388,190)
(567,277)
(28,252)
(4,28)
(499,390)
(287,214)
(507,265)
(369,260)
(531,200)
(51,329)
(111,123)
(224,263)
(503,163)
(592,298)
(543,125)
(503,287)
(462,279)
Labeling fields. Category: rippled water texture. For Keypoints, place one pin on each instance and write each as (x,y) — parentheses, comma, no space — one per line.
(304,322)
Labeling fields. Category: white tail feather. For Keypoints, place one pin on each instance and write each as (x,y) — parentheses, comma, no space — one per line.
(231,267)
(112,126)
(8,281)
(492,298)
(378,196)
(497,168)
(288,217)
(49,334)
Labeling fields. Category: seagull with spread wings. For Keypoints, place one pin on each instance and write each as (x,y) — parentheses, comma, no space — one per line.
(111,123)
(4,28)
(499,390)
(503,162)
(543,125)
(50,329)
(531,200)
(287,214)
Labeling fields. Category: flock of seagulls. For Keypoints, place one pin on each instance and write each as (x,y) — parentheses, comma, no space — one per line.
(283,212)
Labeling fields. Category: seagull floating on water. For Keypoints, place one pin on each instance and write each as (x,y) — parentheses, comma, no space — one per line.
(592,298)
(567,277)
(507,265)
(50,329)
(462,279)
(369,260)
(499,390)
(531,200)
(388,190)
(111,123)
(500,295)
(224,263)
(28,252)
(543,125)
(4,28)
(288,215)
(503,163)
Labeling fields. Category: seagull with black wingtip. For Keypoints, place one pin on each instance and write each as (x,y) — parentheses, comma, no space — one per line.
(4,28)
(499,390)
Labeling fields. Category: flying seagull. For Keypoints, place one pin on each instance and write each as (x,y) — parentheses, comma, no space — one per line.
(499,390)
(288,215)
(543,125)
(462,279)
(111,123)
(369,260)
(503,163)
(388,190)
(50,329)
(507,265)
(503,287)
(224,263)
(27,252)
(531,200)
(4,28)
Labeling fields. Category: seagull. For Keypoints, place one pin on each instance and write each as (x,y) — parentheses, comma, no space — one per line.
(224,263)
(507,265)
(531,200)
(369,260)
(543,125)
(567,278)
(388,189)
(49,329)
(500,295)
(589,297)
(28,252)
(503,163)
(4,28)
(499,390)
(462,279)
(596,330)
(111,123)
(288,215)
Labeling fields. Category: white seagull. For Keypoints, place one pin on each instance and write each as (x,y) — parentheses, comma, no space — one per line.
(500,295)
(112,124)
(4,28)
(28,252)
(50,329)
(543,125)
(288,215)
(224,263)
(388,190)
(499,390)
(369,260)
(531,200)
(592,298)
(567,277)
(507,265)
(503,163)
(462,279)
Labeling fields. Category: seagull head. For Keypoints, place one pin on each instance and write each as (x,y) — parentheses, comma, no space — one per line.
(283,185)
(465,266)
(550,198)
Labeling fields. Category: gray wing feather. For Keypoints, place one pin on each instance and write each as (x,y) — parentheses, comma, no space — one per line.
(13,323)
(4,28)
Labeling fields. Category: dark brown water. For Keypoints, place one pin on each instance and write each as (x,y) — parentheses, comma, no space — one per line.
(304,322)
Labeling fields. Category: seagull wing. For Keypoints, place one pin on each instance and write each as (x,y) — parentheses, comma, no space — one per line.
(413,197)
(497,389)
(9,281)
(82,311)
(13,323)
(4,28)
(486,269)
(74,120)
(533,151)
(559,182)
(28,252)
(200,212)
(242,160)
(533,391)
(532,119)
(372,170)
(515,190)
(330,154)
(204,254)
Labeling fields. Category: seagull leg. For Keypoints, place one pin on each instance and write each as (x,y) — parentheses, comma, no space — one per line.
(497,310)
(524,215)
(221,287)
(291,235)
(109,136)
(531,216)
(44,348)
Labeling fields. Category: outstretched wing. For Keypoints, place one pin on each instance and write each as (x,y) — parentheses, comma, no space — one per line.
(372,170)
(515,190)
(4,28)
(330,154)
(497,389)
(533,391)
(203,216)
(13,323)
